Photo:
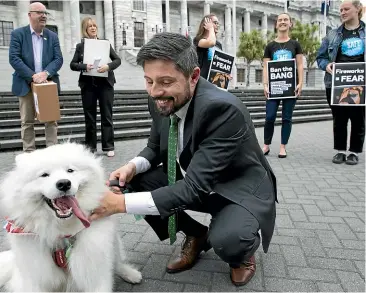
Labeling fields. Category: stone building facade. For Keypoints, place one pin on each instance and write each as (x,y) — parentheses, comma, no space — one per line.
(129,24)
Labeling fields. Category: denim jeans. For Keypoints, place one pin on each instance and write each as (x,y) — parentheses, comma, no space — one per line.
(288,106)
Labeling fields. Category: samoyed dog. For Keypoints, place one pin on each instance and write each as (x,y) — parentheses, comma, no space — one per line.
(46,200)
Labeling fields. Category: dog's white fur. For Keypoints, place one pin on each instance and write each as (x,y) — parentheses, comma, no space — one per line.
(97,252)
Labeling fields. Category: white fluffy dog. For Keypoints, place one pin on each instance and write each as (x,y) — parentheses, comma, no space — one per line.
(47,199)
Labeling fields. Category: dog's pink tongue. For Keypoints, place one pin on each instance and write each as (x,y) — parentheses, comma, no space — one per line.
(72,202)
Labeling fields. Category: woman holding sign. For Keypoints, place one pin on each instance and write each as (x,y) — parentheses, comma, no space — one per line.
(96,89)
(282,48)
(206,41)
(342,45)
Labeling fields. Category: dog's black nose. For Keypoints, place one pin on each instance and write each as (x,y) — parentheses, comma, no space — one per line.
(63,184)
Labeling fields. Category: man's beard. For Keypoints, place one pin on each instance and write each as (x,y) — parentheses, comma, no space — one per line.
(168,109)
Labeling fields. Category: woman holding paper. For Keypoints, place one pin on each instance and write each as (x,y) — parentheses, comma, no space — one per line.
(96,88)
(342,45)
(282,48)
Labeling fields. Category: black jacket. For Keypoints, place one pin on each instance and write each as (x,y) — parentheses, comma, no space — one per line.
(76,64)
(221,154)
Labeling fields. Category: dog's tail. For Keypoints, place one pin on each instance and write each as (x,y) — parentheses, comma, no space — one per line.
(6,266)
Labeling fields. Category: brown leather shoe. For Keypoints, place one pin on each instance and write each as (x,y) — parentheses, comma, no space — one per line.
(191,249)
(241,276)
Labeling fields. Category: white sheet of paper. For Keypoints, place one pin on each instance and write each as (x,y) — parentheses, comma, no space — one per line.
(96,52)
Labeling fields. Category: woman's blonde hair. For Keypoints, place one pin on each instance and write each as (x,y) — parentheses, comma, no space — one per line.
(201,28)
(84,26)
(358,5)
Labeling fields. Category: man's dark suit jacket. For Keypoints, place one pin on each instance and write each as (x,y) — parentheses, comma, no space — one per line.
(221,154)
(76,64)
(21,58)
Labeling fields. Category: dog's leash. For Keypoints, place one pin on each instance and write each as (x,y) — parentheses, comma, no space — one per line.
(124,189)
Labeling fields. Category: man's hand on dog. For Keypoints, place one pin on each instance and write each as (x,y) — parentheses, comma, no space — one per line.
(110,204)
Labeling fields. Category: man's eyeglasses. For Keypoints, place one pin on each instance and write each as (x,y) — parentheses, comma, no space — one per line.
(40,12)
(216,22)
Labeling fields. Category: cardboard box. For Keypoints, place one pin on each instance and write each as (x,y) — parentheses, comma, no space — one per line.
(46,101)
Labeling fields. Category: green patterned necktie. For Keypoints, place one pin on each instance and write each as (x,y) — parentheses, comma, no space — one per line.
(172,157)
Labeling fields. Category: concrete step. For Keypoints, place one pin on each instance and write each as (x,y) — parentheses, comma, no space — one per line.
(14,114)
(71,128)
(15,144)
(80,119)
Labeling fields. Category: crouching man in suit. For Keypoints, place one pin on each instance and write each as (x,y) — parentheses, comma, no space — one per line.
(202,155)
(36,56)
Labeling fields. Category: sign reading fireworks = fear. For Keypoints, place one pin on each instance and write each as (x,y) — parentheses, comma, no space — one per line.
(220,69)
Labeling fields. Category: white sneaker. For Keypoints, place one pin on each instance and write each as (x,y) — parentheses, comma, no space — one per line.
(110,154)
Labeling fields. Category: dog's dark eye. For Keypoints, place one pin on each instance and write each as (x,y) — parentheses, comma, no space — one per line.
(45,175)
(70,170)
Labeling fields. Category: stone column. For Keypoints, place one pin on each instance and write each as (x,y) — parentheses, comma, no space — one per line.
(228,38)
(183,17)
(233,72)
(99,18)
(167,15)
(206,8)
(108,21)
(264,25)
(67,25)
(247,21)
(22,13)
(75,23)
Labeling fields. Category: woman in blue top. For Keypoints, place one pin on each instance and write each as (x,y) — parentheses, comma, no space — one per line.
(282,48)
(345,44)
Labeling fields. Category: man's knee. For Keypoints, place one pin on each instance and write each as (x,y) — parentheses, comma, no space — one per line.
(149,180)
(234,245)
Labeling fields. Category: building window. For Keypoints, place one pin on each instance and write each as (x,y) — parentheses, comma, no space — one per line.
(6,27)
(240,75)
(139,34)
(10,3)
(87,7)
(52,28)
(258,75)
(138,5)
(163,12)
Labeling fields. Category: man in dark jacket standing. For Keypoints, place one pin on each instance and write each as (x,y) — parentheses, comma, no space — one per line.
(36,56)
(202,155)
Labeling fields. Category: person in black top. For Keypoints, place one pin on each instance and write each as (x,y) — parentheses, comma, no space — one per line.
(342,45)
(282,48)
(206,41)
(95,89)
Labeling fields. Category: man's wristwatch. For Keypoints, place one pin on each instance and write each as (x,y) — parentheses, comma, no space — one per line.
(48,74)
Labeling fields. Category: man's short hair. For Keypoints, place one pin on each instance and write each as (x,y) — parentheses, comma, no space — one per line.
(171,47)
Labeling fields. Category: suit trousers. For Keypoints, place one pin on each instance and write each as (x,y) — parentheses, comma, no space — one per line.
(233,231)
(27,117)
(104,94)
(288,106)
(341,115)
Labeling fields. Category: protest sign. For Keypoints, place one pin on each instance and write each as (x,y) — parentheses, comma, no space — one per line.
(348,84)
(281,79)
(220,69)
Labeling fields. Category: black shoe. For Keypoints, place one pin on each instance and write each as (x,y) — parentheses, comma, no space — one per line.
(352,159)
(339,158)
(266,153)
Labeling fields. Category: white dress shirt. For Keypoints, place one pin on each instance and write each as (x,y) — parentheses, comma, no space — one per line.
(142,203)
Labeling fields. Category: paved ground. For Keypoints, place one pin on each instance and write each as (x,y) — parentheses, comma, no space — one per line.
(319,241)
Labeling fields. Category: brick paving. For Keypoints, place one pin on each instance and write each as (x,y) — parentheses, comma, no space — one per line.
(319,241)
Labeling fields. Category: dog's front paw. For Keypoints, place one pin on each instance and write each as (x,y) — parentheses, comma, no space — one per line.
(129,273)
(133,276)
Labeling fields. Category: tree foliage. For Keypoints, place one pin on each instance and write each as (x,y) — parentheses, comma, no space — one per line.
(305,34)
(251,48)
